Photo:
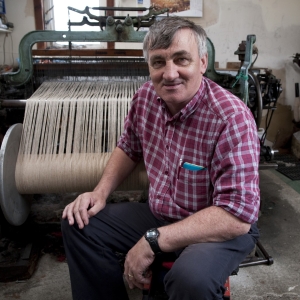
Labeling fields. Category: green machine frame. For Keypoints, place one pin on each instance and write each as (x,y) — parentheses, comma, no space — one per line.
(118,31)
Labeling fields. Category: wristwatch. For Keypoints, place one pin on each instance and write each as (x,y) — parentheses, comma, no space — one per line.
(151,237)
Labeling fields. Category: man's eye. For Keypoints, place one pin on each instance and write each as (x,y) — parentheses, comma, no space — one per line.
(182,61)
(157,64)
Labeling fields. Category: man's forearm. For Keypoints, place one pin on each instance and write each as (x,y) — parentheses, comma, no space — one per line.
(117,169)
(212,224)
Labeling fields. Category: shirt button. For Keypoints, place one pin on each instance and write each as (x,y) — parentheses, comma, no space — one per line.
(167,146)
(166,172)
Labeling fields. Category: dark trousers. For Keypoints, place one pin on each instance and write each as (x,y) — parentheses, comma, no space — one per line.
(96,273)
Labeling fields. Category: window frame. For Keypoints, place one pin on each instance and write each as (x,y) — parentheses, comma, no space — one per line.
(41,47)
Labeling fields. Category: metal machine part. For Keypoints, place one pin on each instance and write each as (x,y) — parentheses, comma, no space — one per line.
(138,22)
(15,207)
(296,59)
(111,34)
(264,91)
(267,152)
(9,103)
(255,98)
(115,31)
(238,85)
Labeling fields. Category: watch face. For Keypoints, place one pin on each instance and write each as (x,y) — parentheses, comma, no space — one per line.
(151,234)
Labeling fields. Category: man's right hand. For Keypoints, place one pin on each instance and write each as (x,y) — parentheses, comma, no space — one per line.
(83,207)
(87,205)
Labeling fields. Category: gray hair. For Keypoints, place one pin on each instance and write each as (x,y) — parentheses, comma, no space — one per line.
(161,34)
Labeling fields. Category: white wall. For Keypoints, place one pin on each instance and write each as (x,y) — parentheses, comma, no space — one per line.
(21,14)
(275,23)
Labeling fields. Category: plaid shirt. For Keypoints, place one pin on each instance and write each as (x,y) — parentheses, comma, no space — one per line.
(215,130)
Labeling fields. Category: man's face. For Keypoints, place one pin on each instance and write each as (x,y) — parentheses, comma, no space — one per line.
(177,72)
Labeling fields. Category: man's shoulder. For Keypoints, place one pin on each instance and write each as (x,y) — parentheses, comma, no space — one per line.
(222,102)
(146,88)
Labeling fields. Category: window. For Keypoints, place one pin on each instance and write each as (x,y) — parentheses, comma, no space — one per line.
(55,15)
(58,14)
(63,13)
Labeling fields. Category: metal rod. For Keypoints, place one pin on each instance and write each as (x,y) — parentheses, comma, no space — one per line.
(120,8)
(264,252)
(254,262)
(265,166)
(8,103)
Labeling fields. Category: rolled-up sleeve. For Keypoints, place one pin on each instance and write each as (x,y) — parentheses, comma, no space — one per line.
(234,169)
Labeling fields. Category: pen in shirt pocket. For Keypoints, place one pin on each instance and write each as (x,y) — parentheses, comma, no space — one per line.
(189,166)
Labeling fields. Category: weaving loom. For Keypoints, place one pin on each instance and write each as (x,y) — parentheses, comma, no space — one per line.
(70,130)
(72,122)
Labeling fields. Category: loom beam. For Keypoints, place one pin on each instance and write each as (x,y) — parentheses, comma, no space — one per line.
(114,32)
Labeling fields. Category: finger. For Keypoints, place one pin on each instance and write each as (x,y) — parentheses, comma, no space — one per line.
(96,207)
(136,280)
(130,279)
(140,280)
(137,284)
(83,212)
(68,213)
(83,207)
(132,282)
(77,214)
(127,274)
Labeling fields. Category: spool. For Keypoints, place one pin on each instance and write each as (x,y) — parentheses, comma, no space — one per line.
(15,206)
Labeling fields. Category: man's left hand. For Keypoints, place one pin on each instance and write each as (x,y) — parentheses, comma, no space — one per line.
(137,264)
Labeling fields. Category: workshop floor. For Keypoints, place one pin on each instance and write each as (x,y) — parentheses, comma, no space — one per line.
(279,224)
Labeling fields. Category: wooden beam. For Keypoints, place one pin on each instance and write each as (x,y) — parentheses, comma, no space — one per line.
(110,3)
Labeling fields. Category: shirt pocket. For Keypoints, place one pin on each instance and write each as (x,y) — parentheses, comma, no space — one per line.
(191,191)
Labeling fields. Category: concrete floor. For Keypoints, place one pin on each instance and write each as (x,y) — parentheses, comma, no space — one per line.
(279,224)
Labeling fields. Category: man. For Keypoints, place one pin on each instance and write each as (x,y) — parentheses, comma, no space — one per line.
(201,152)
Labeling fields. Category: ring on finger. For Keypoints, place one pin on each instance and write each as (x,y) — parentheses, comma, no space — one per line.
(130,276)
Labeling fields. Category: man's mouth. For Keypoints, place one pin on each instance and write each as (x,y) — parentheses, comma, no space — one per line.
(171,85)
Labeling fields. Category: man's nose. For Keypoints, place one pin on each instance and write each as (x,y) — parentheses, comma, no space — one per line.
(170,71)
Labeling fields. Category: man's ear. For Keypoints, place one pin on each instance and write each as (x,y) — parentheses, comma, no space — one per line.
(204,62)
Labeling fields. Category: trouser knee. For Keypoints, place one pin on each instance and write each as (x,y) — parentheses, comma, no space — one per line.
(188,285)
(70,234)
